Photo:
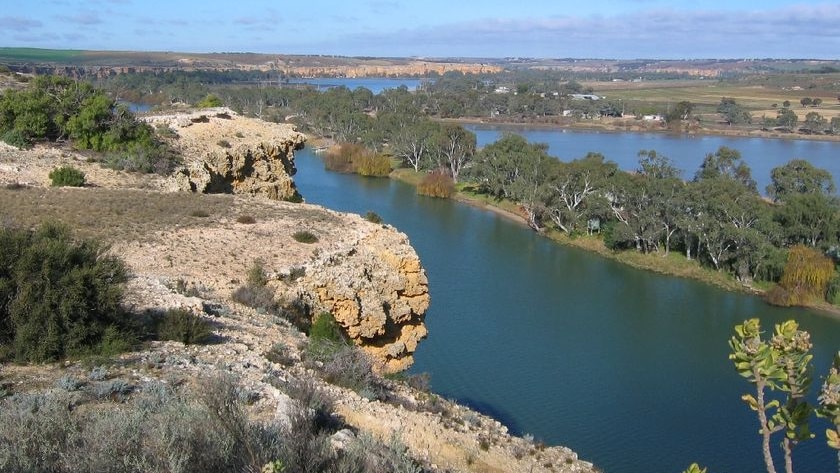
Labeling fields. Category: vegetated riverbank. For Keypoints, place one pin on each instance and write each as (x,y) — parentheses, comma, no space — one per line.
(672,264)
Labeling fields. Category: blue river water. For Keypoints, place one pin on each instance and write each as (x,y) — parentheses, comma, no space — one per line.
(626,367)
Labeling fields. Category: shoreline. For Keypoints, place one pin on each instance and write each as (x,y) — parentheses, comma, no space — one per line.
(619,126)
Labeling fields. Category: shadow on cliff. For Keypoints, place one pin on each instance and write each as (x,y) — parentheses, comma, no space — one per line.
(493,411)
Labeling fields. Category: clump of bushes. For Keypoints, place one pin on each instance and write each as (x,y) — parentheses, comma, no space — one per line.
(355,158)
(436,184)
(67,176)
(210,101)
(305,236)
(54,107)
(183,326)
(60,296)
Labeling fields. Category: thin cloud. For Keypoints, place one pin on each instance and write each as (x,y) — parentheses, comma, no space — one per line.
(797,31)
(84,18)
(18,23)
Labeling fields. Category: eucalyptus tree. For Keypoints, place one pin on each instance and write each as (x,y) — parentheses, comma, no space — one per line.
(578,190)
(413,141)
(455,148)
(798,176)
(512,168)
(726,162)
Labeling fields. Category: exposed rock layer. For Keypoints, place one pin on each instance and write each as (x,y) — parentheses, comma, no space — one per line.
(225,153)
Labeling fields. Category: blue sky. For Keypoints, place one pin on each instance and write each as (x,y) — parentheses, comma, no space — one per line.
(625,29)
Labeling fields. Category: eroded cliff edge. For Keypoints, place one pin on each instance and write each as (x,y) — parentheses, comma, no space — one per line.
(225,153)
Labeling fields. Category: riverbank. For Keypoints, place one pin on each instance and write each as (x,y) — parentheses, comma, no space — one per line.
(624,125)
(670,264)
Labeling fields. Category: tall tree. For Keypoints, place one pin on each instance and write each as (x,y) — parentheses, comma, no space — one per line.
(456,146)
(726,162)
(798,176)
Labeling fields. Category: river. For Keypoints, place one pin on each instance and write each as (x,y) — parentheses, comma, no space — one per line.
(626,367)
(374,84)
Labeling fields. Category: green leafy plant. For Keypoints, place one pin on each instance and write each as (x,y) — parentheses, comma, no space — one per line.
(67,176)
(61,295)
(782,363)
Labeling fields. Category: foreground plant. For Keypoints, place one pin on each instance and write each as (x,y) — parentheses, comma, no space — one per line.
(783,363)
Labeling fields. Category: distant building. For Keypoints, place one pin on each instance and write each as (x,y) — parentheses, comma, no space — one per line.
(585,97)
(502,90)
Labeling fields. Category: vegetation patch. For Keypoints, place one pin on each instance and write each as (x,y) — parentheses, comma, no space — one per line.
(61,296)
(67,176)
(437,184)
(183,326)
(305,236)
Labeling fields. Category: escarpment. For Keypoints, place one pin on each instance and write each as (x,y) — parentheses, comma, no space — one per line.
(225,153)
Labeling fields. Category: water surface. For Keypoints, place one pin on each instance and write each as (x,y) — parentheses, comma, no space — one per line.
(626,367)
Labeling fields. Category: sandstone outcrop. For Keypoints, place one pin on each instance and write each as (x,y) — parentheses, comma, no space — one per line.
(225,153)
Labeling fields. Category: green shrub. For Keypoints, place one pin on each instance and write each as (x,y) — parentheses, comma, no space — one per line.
(199,213)
(183,326)
(305,236)
(436,184)
(59,297)
(255,293)
(67,176)
(246,219)
(16,139)
(373,217)
(295,198)
(325,327)
(210,101)
(223,143)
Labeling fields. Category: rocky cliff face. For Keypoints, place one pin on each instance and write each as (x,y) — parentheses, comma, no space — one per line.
(225,153)
(377,291)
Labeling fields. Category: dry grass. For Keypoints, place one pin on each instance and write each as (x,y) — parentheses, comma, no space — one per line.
(113,215)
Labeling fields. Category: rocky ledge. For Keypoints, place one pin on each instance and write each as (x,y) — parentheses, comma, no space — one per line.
(226,153)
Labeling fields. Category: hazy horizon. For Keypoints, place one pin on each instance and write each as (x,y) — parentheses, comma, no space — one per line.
(602,29)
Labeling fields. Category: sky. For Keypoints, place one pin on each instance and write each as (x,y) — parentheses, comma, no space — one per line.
(610,29)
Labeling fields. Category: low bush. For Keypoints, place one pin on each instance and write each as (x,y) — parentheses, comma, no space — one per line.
(60,296)
(373,217)
(67,176)
(16,139)
(223,143)
(436,184)
(199,214)
(255,293)
(305,236)
(156,429)
(182,326)
(246,219)
(345,365)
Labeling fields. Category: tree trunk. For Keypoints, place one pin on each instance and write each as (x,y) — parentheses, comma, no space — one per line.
(788,455)
(765,431)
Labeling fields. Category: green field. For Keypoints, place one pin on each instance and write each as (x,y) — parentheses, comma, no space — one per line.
(40,55)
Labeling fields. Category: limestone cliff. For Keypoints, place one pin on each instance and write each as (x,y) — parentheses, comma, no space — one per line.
(225,153)
(378,292)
